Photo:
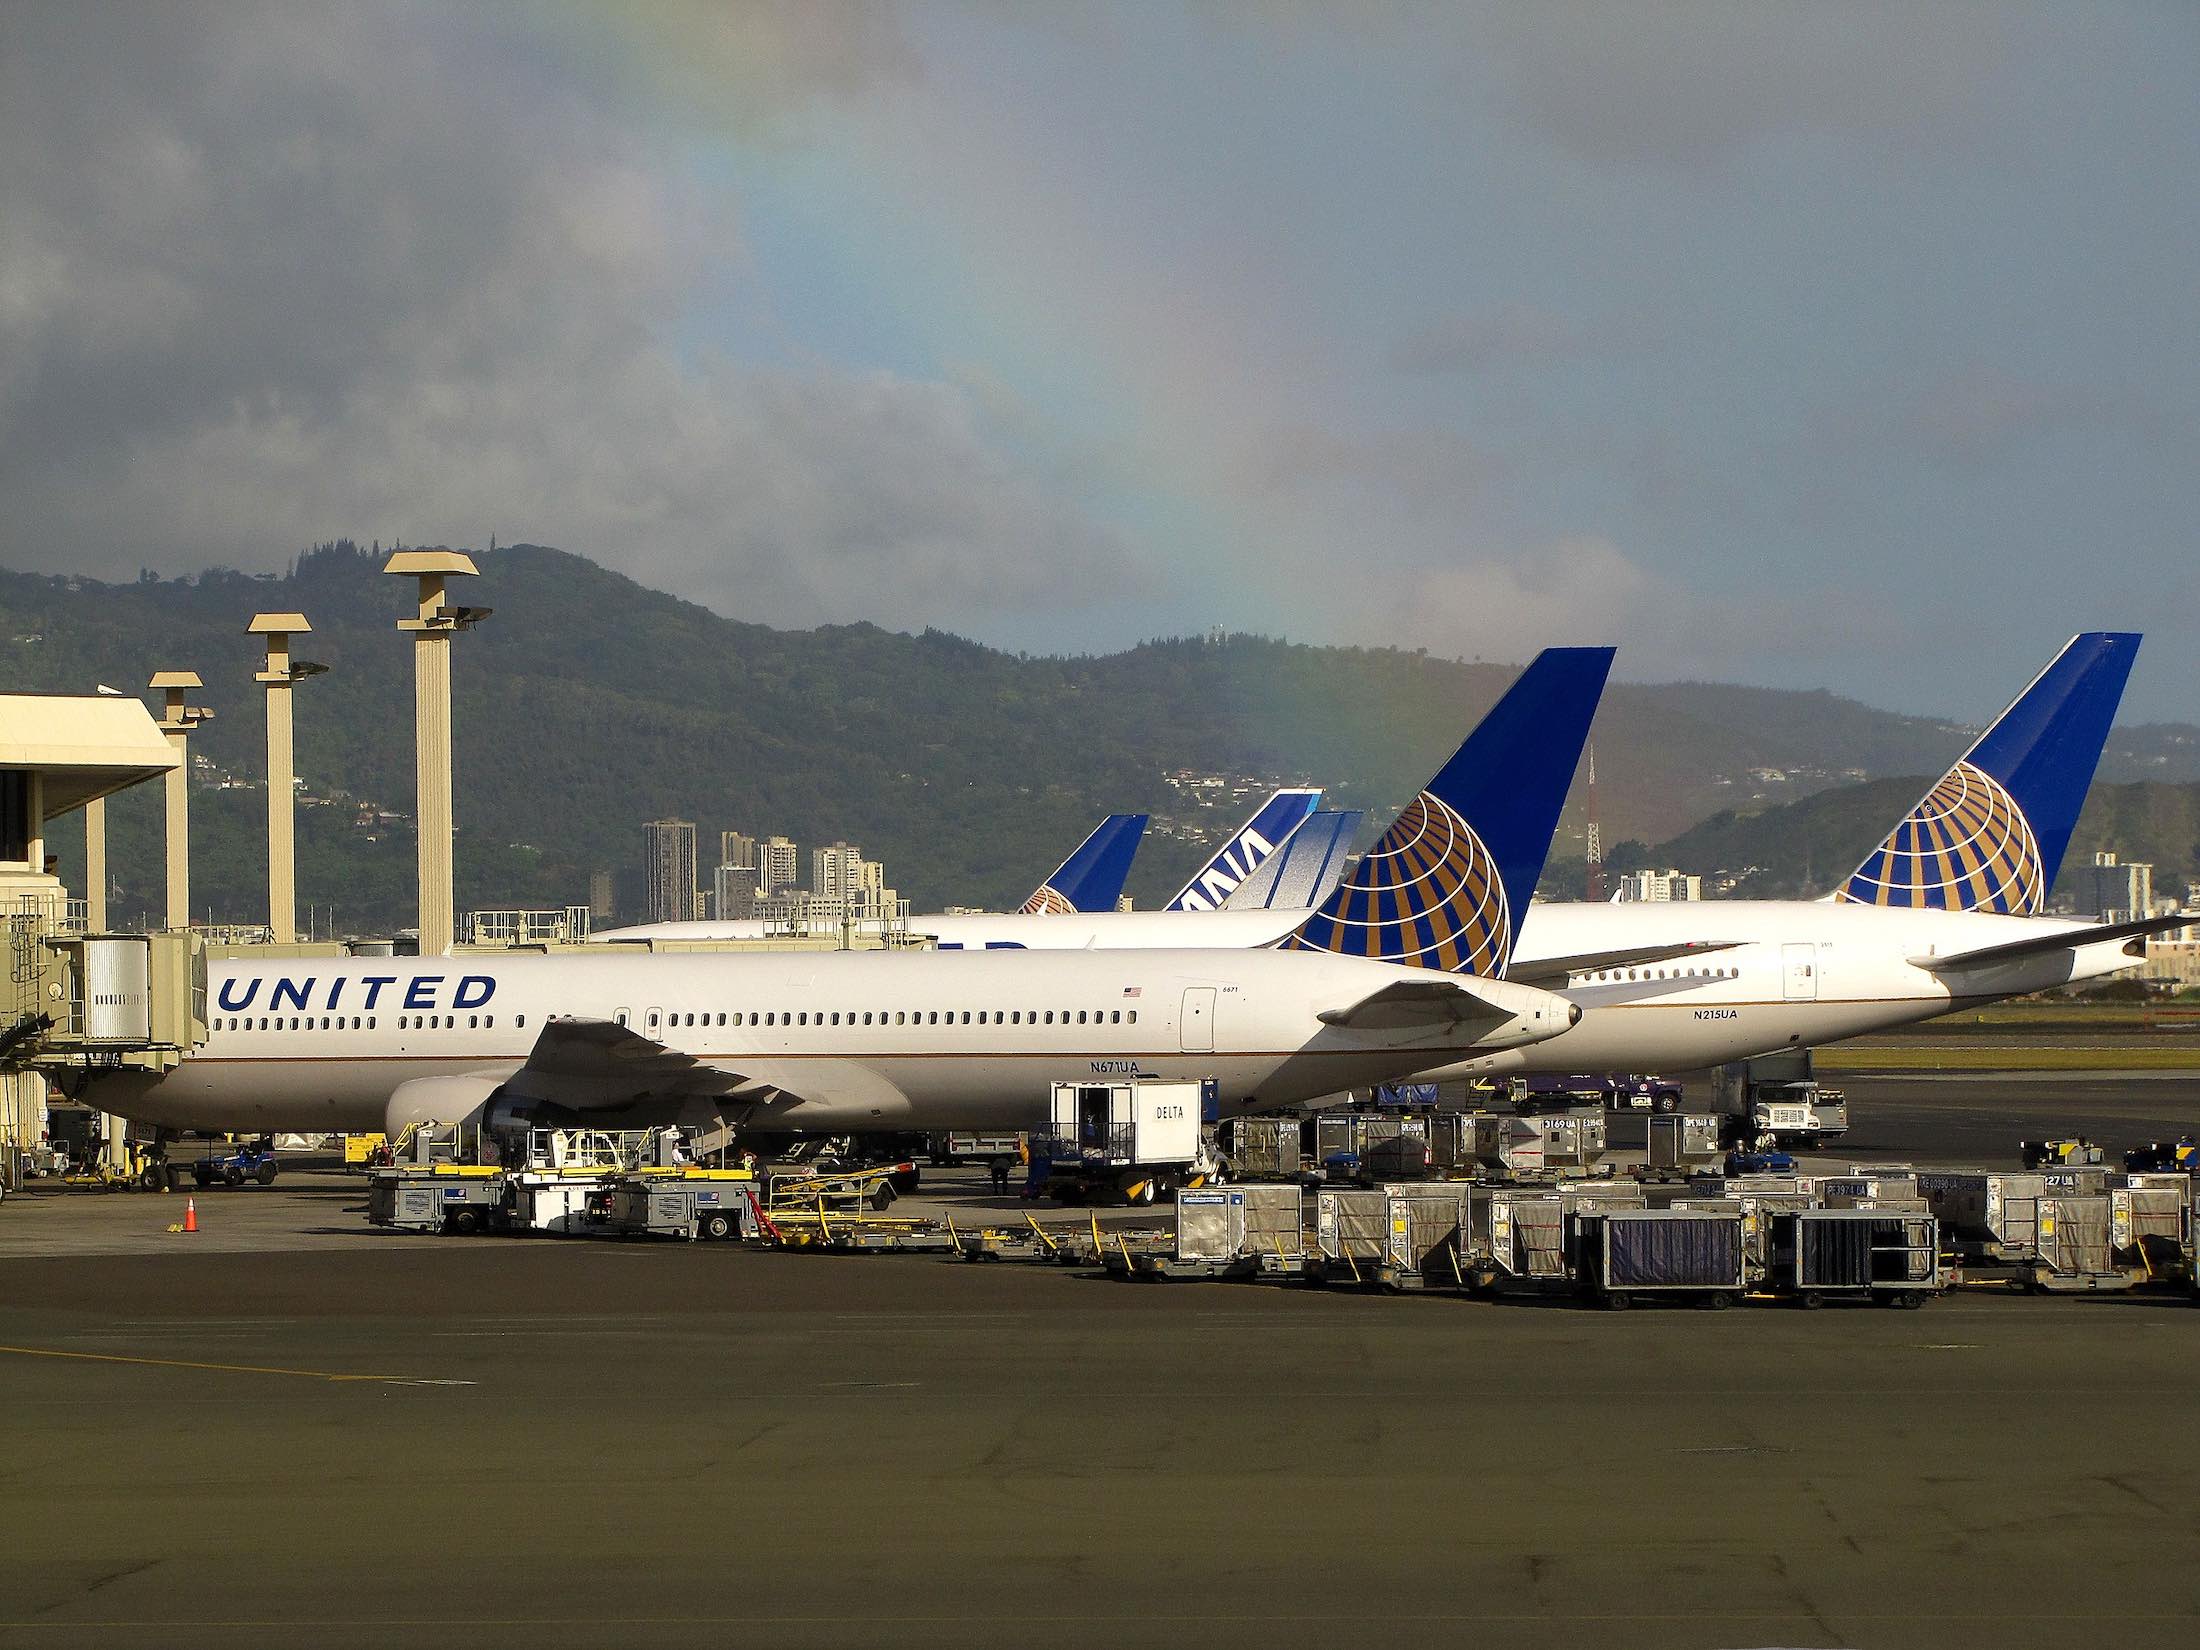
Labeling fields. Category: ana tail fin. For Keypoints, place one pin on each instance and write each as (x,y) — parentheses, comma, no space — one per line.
(1251,844)
(1449,881)
(1092,878)
(1990,835)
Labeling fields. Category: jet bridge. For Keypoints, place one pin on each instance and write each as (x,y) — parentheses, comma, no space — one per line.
(74,999)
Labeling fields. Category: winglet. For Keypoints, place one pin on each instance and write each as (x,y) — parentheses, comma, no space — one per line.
(1990,835)
(1092,878)
(1449,882)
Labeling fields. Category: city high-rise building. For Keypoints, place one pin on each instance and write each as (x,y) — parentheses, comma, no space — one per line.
(2115,890)
(601,908)
(833,873)
(1660,885)
(733,892)
(669,853)
(737,851)
(777,865)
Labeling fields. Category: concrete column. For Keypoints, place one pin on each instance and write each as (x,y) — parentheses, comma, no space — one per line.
(432,788)
(282,805)
(95,865)
(176,722)
(436,621)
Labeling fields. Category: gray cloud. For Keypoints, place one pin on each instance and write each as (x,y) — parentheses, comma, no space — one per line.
(272,274)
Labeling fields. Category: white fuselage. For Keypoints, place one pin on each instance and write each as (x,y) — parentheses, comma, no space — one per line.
(820,1040)
(1801,972)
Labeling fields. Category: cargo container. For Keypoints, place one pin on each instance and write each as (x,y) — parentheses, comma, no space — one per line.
(2150,1223)
(1683,1142)
(1351,1233)
(1263,1225)
(1264,1148)
(1431,1236)
(1815,1255)
(1638,1254)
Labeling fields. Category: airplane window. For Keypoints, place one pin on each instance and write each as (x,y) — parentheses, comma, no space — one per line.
(1116,1018)
(1134,1016)
(966,1016)
(1050,1016)
(473,1022)
(520,1020)
(1080,1016)
(770,1020)
(935,1019)
(867,1018)
(901,1017)
(721,1019)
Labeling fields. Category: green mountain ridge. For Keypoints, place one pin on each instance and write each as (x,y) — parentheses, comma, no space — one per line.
(1806,848)
(589,704)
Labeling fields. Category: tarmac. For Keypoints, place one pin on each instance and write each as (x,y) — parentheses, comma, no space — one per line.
(290,1428)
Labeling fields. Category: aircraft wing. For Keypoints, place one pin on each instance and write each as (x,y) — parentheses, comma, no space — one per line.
(1405,1004)
(2070,939)
(584,1065)
(1551,972)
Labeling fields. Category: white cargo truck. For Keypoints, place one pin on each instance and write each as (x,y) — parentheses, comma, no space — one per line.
(1776,1101)
(1139,1137)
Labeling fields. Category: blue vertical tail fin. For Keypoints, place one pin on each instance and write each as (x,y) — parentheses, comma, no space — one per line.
(1092,878)
(1251,844)
(1448,884)
(1990,835)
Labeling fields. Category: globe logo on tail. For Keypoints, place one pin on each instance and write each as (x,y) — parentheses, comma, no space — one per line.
(1428,896)
(1966,847)
(1047,903)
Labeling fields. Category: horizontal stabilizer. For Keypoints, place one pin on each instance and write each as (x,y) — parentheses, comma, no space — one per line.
(1406,1004)
(2041,945)
(1555,971)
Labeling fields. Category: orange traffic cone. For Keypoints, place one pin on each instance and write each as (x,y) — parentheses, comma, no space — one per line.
(190,1214)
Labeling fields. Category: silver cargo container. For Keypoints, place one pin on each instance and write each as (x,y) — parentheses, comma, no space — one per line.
(2074,1236)
(1266,1148)
(1683,1142)
(1987,1215)
(1351,1225)
(2150,1222)
(1431,1231)
(1210,1225)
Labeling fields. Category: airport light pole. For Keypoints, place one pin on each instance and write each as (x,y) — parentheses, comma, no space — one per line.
(436,622)
(282,806)
(177,721)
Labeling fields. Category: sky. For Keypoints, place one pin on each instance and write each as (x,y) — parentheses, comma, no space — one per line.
(1843,346)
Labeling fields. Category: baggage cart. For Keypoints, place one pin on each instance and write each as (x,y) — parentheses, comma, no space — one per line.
(1641,1254)
(420,1200)
(1816,1255)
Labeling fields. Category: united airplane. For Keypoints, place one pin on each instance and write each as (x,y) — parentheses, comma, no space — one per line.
(833,1041)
